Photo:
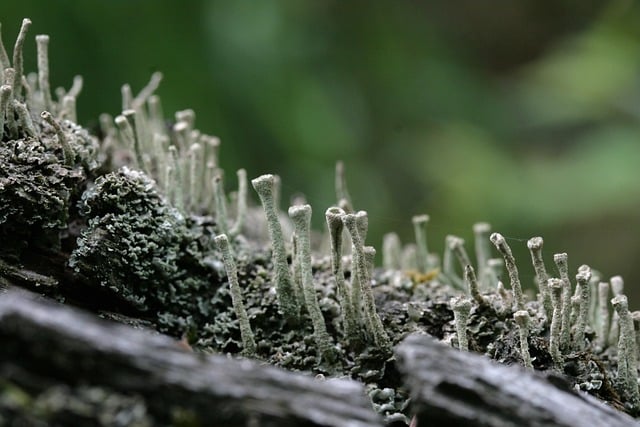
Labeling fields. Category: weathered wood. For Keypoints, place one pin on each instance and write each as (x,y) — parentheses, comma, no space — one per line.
(43,344)
(454,388)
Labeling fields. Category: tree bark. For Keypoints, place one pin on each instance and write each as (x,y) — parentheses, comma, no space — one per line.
(454,388)
(45,344)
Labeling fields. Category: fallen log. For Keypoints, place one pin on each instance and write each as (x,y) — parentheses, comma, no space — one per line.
(454,388)
(46,346)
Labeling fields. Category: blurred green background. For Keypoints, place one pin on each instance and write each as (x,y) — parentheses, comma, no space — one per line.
(523,114)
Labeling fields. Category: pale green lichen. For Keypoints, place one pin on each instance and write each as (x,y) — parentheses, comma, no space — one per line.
(265,186)
(149,240)
(248,342)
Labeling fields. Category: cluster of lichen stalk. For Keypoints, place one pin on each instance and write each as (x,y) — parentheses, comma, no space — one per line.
(187,158)
(23,96)
(567,311)
(181,159)
(362,325)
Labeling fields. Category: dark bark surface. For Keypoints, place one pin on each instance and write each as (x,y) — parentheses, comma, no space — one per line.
(454,388)
(46,345)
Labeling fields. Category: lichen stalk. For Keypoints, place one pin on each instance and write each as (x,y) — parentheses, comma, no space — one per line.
(582,280)
(500,243)
(4,58)
(174,178)
(635,316)
(5,96)
(617,288)
(241,207)
(555,288)
(472,283)
(265,186)
(246,334)
(68,110)
(420,230)
(561,261)
(42,42)
(494,271)
(535,248)
(603,315)
(391,252)
(448,268)
(10,120)
(457,247)
(18,60)
(335,226)
(627,351)
(368,314)
(523,321)
(461,308)
(481,232)
(342,193)
(25,119)
(301,217)
(67,152)
(222,219)
(380,336)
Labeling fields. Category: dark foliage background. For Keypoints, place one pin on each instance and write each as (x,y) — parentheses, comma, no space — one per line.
(525,114)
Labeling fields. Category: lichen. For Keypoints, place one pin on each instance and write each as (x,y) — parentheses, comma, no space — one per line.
(148,227)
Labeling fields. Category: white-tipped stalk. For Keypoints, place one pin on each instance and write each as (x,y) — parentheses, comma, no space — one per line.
(241,208)
(361,286)
(127,97)
(25,119)
(448,268)
(635,316)
(68,110)
(68,155)
(126,126)
(494,271)
(76,87)
(147,91)
(335,226)
(301,217)
(18,61)
(42,42)
(603,315)
(582,280)
(617,288)
(472,283)
(457,247)
(461,308)
(342,193)
(420,229)
(523,321)
(222,220)
(10,119)
(500,243)
(481,232)
(4,58)
(561,261)
(380,336)
(194,160)
(5,96)
(555,288)
(391,252)
(174,179)
(248,341)
(627,351)
(265,186)
(535,248)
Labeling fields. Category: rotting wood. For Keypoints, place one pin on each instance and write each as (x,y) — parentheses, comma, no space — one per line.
(46,345)
(454,388)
